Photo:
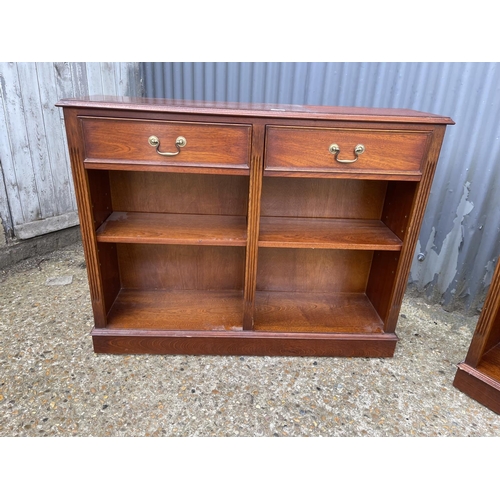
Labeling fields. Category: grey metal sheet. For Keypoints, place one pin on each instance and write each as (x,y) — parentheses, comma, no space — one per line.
(460,236)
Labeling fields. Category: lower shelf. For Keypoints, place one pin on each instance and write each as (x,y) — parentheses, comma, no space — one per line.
(316,312)
(490,363)
(210,323)
(177,310)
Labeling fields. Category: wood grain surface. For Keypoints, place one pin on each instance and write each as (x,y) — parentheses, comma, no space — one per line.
(313,270)
(318,198)
(178,193)
(237,344)
(389,151)
(181,267)
(267,110)
(308,312)
(347,234)
(178,310)
(127,141)
(176,229)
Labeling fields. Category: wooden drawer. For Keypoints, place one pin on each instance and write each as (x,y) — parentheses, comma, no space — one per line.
(386,152)
(125,141)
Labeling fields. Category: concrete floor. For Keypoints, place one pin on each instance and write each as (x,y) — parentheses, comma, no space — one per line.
(52,384)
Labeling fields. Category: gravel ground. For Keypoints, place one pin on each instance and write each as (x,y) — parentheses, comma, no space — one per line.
(52,384)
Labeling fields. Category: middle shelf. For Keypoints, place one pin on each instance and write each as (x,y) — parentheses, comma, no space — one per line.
(229,230)
(180,229)
(297,232)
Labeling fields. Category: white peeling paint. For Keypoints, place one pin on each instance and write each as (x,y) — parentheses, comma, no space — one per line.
(490,269)
(444,264)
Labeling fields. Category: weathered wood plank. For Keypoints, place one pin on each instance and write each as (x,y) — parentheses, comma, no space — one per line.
(57,151)
(64,82)
(109,86)
(63,86)
(122,84)
(79,79)
(5,218)
(37,139)
(37,194)
(19,176)
(6,168)
(94,78)
(44,226)
(133,78)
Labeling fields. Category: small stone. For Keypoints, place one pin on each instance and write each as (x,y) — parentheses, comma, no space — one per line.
(59,281)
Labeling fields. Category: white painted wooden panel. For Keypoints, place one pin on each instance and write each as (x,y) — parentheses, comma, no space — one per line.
(36,188)
(56,141)
(37,141)
(18,172)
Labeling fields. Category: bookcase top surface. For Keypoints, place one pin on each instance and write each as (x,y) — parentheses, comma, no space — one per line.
(255,109)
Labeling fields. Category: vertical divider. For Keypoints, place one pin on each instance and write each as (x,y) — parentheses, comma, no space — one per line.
(253,219)
(395,215)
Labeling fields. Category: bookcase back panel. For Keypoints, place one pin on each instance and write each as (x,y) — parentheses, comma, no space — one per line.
(181,267)
(313,270)
(336,198)
(179,193)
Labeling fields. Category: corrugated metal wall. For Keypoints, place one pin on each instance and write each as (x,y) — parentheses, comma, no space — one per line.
(36,187)
(460,236)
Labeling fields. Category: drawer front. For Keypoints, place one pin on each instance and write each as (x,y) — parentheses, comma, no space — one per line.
(388,152)
(127,141)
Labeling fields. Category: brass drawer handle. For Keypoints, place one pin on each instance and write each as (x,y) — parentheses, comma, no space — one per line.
(180,142)
(335,150)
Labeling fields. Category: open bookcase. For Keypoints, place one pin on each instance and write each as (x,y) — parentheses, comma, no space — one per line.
(216,228)
(479,375)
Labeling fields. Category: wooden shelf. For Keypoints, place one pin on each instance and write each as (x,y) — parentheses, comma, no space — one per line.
(316,312)
(347,234)
(490,363)
(177,310)
(200,322)
(180,229)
